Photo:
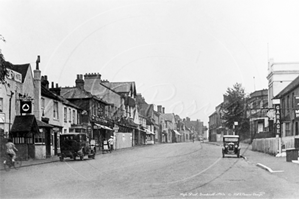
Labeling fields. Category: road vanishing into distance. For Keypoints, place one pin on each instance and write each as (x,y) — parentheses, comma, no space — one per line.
(175,170)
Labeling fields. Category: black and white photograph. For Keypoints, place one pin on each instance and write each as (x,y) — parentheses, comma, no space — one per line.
(133,99)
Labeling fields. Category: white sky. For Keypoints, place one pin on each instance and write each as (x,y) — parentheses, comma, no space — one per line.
(181,54)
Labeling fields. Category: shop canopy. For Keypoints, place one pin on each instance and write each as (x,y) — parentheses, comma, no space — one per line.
(149,132)
(176,132)
(26,124)
(102,127)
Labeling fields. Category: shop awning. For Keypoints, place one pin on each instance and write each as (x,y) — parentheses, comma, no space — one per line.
(102,127)
(176,132)
(43,124)
(25,124)
(149,132)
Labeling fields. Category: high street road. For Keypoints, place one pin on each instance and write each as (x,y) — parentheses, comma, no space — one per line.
(177,170)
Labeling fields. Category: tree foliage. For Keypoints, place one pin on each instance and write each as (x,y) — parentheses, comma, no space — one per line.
(3,70)
(234,109)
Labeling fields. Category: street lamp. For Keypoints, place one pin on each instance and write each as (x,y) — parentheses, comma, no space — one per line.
(234,127)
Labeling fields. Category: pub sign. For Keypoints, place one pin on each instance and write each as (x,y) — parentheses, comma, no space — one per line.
(25,107)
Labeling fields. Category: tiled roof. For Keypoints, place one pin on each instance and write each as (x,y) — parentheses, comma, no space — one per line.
(21,68)
(47,93)
(77,93)
(121,87)
(292,85)
(167,116)
(24,124)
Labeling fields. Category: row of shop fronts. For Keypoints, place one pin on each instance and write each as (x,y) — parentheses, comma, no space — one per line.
(34,114)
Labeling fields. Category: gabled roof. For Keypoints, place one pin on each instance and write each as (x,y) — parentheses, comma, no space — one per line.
(167,116)
(288,88)
(121,87)
(77,93)
(146,110)
(20,68)
(47,93)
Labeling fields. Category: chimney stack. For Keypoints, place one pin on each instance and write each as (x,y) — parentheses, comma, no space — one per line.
(45,82)
(37,89)
(79,82)
(159,108)
(163,110)
(56,89)
(92,76)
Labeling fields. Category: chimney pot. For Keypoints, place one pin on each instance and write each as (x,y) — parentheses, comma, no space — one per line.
(52,84)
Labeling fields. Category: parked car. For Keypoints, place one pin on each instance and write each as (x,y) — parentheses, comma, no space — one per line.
(231,145)
(76,144)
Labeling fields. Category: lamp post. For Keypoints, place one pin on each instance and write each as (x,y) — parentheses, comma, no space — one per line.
(234,126)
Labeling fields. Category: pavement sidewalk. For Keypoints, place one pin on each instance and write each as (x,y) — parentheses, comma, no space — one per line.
(281,168)
(33,162)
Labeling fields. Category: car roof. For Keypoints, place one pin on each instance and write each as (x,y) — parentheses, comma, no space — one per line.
(231,136)
(66,134)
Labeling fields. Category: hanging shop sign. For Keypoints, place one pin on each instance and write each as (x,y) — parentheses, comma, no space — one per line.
(277,119)
(25,107)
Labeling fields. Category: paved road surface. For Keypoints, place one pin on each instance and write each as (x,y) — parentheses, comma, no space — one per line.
(180,170)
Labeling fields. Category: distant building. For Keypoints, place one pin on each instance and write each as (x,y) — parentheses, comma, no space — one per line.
(289,102)
(260,124)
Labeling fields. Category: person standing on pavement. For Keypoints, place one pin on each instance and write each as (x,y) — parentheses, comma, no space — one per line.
(111,143)
(11,149)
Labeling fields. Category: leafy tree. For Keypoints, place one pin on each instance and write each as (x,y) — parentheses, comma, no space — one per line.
(234,110)
(3,70)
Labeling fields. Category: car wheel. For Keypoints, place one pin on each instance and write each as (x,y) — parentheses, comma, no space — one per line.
(238,154)
(61,158)
(81,157)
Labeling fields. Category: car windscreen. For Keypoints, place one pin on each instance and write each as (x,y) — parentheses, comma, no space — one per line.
(231,139)
(67,137)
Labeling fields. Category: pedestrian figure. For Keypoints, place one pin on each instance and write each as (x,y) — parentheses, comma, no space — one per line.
(11,149)
(111,143)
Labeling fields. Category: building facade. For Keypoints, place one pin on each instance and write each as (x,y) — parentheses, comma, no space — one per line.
(289,102)
(279,76)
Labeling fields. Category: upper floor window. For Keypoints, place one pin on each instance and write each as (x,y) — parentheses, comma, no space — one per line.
(65,114)
(73,120)
(70,115)
(43,106)
(1,104)
(55,110)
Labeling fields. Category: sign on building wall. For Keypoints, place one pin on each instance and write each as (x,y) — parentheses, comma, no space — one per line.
(277,119)
(13,75)
(25,107)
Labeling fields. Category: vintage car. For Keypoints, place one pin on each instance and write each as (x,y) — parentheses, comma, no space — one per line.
(76,144)
(231,145)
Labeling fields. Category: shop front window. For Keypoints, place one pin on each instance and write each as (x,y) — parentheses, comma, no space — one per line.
(40,138)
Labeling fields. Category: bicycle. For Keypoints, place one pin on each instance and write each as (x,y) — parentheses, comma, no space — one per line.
(8,163)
